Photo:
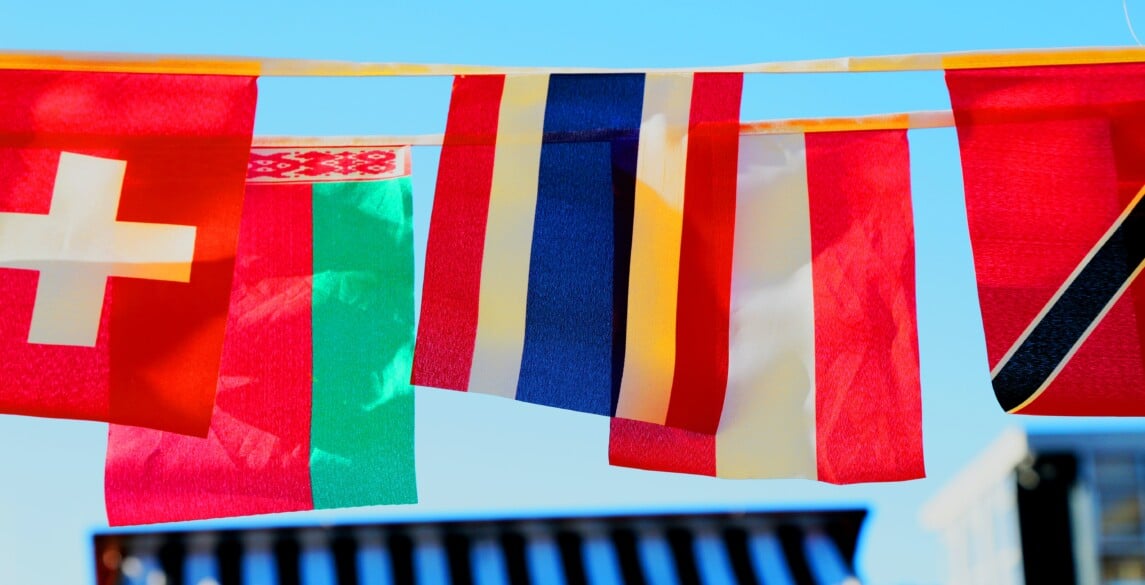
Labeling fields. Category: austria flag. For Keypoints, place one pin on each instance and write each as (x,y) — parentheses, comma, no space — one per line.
(822,347)
(1053,160)
(120,197)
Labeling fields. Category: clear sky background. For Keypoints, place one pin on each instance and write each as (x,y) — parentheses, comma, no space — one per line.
(480,455)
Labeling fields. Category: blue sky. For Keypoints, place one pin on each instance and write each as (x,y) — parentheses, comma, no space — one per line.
(481,455)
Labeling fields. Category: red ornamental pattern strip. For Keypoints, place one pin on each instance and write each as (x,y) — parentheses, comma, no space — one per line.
(328,164)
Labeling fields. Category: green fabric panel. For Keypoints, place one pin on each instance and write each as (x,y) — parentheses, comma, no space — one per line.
(362,432)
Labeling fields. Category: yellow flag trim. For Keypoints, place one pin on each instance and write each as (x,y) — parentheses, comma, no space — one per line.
(279,67)
(900,121)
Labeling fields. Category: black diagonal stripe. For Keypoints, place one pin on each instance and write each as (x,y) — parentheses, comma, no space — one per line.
(1077,307)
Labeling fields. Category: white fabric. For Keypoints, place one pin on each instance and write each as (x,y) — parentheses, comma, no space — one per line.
(767,428)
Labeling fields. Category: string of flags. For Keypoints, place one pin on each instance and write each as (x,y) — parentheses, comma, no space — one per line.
(738,299)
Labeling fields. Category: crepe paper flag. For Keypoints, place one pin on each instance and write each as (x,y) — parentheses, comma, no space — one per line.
(823,368)
(1053,160)
(574,255)
(120,198)
(314,407)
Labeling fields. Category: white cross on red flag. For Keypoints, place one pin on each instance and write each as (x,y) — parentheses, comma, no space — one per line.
(120,197)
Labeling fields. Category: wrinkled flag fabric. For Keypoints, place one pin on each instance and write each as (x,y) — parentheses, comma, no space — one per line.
(1053,160)
(120,197)
(573,259)
(314,407)
(823,366)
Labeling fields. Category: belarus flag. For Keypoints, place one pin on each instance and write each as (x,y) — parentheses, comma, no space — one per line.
(120,197)
(822,347)
(314,408)
(1053,160)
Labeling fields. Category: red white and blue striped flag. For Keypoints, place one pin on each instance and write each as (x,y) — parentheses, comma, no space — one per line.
(559,201)
(583,254)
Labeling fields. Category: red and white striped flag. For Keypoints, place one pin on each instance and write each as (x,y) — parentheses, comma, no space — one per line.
(822,344)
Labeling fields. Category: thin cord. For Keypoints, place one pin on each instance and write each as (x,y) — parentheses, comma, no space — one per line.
(1128,21)
(279,67)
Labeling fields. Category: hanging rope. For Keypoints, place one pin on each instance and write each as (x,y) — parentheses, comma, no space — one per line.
(1129,21)
(900,121)
(278,67)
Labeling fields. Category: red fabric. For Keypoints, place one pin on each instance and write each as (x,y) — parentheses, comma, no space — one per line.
(868,411)
(1051,156)
(186,140)
(701,370)
(256,458)
(642,445)
(447,327)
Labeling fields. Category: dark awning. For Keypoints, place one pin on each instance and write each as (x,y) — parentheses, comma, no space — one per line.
(784,548)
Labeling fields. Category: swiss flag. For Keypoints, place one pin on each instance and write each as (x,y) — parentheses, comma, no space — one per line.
(120,197)
(1054,165)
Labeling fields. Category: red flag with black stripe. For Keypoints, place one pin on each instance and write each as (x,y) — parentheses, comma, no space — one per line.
(1054,166)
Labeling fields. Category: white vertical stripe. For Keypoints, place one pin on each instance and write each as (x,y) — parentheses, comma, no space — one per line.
(650,349)
(768,424)
(508,237)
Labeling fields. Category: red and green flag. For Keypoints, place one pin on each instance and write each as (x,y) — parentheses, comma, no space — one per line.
(314,406)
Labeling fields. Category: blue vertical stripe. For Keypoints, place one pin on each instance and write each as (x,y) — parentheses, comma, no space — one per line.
(584,194)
